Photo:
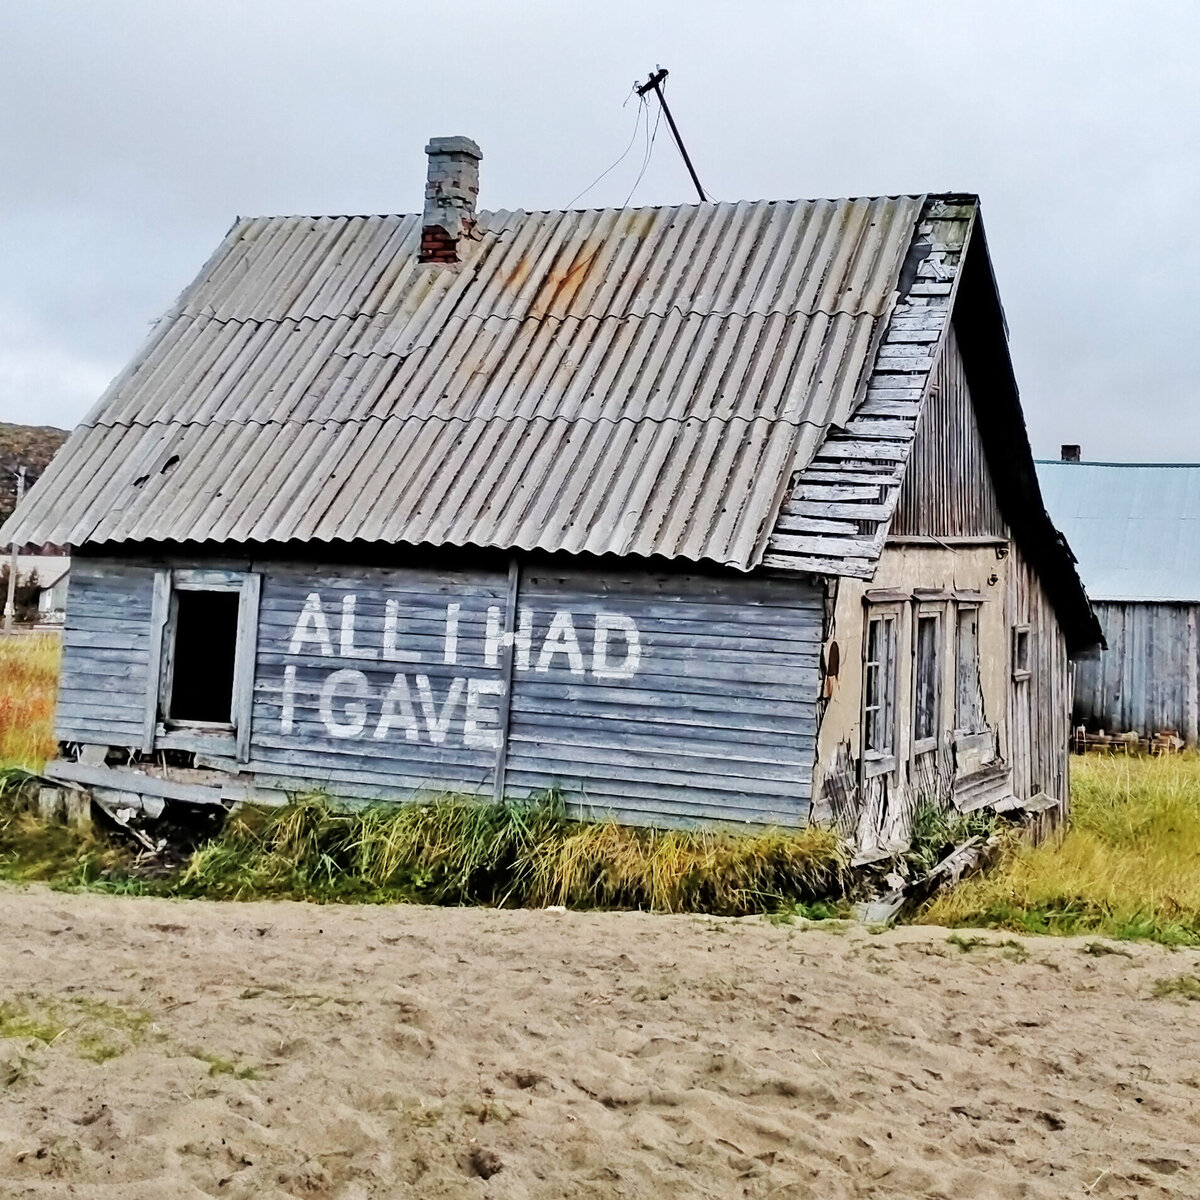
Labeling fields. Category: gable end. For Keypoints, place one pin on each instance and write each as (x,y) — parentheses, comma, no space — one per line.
(836,517)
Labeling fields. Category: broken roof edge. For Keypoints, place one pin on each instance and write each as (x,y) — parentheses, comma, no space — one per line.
(996,398)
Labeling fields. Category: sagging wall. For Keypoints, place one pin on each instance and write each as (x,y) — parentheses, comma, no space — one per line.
(656,697)
(1021,747)
(1148,680)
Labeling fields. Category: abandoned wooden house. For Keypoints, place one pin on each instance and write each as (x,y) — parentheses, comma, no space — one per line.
(722,512)
(1135,528)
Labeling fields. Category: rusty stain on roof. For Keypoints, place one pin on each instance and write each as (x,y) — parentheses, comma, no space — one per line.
(631,381)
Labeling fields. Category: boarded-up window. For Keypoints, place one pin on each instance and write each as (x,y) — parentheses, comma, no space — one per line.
(968,702)
(879,691)
(926,670)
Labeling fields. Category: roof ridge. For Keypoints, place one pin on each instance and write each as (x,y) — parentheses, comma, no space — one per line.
(948,197)
(550,420)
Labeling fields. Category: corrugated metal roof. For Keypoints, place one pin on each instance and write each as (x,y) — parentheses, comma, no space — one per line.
(623,381)
(1134,527)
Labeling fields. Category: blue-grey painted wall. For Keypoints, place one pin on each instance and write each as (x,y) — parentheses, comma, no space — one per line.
(657,697)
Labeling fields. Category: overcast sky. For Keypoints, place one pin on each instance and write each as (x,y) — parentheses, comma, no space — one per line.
(133,132)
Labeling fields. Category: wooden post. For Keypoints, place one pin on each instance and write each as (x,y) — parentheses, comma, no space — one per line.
(10,603)
(159,610)
(510,647)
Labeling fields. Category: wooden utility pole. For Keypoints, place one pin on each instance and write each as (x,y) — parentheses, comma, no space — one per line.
(654,84)
(10,605)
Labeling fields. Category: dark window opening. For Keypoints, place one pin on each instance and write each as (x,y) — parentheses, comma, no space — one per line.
(1021,664)
(925,713)
(205,646)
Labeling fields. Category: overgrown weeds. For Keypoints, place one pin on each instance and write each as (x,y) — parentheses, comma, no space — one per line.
(450,850)
(1128,867)
(36,851)
(458,851)
(28,686)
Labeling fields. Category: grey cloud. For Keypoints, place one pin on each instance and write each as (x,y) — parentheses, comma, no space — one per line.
(133,132)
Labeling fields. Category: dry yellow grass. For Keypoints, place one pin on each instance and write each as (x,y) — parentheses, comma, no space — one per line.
(28,684)
(1129,866)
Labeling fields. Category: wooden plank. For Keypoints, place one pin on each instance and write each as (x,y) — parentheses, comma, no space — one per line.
(830,491)
(509,650)
(158,622)
(895,428)
(826,508)
(854,568)
(799,544)
(876,451)
(245,662)
(121,780)
(803,523)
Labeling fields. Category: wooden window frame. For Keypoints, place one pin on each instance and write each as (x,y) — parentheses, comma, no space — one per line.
(219,738)
(1022,631)
(961,607)
(936,613)
(877,761)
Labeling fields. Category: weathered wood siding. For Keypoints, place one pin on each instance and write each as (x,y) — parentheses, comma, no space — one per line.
(1148,679)
(322,715)
(106,653)
(718,722)
(947,489)
(655,697)
(1040,706)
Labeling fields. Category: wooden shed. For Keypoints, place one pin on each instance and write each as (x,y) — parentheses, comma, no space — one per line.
(1136,530)
(722,512)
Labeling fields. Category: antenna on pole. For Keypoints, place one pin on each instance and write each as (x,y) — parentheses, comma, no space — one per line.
(654,84)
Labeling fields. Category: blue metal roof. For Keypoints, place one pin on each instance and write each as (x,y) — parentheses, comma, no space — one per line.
(1135,527)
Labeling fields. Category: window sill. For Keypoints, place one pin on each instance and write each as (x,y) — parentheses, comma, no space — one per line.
(877,765)
(198,738)
(925,746)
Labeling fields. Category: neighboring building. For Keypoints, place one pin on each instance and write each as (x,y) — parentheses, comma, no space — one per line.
(41,593)
(1135,528)
(51,573)
(719,512)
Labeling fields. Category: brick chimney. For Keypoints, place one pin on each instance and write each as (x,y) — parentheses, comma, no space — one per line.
(1071,452)
(450,193)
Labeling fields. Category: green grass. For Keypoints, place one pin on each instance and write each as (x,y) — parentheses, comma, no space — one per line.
(1128,867)
(450,850)
(96,1030)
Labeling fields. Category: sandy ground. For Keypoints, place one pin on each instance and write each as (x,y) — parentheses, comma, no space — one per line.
(285,1050)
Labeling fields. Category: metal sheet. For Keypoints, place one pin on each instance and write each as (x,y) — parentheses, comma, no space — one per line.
(1134,527)
(638,381)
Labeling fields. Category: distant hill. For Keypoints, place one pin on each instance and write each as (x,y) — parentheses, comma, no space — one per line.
(33,445)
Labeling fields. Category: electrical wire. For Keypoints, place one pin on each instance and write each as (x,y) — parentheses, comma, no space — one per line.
(650,137)
(625,153)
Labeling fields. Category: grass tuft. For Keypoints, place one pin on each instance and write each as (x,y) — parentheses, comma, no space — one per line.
(1182,987)
(1128,867)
